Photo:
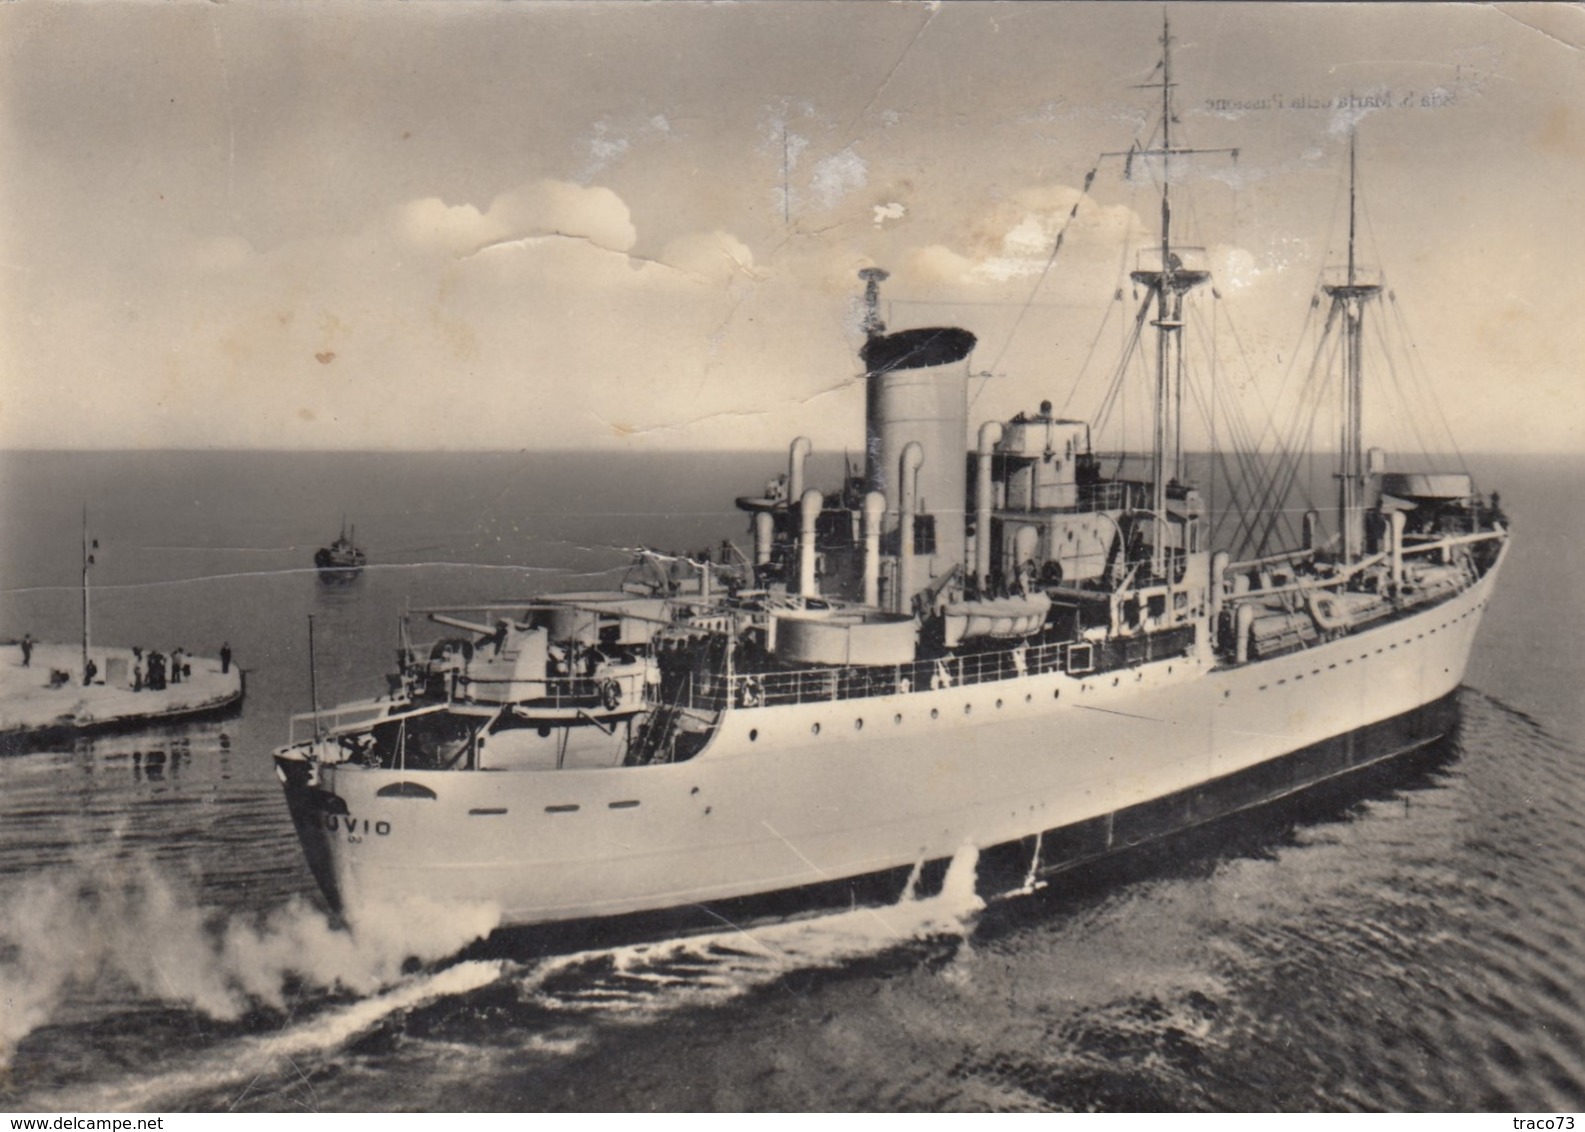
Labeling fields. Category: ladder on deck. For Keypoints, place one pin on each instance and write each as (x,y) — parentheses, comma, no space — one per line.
(657,736)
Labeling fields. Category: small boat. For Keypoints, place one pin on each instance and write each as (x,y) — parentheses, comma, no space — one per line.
(341,561)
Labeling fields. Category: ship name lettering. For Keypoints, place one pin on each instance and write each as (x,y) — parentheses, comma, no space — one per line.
(355,826)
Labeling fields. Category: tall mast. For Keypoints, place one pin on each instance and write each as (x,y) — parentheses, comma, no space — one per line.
(88,561)
(1165,328)
(1349,300)
(1169,281)
(313,681)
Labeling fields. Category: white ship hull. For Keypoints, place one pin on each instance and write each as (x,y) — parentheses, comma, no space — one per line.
(796,795)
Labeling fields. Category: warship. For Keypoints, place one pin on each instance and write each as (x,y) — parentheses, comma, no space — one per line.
(1001,646)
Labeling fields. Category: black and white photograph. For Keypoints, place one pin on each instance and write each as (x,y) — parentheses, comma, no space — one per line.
(586,555)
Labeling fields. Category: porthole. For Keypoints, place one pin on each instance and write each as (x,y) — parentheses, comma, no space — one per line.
(1056,693)
(858,725)
(898,718)
(753,734)
(814,729)
(1029,697)
(935,713)
(998,705)
(967,708)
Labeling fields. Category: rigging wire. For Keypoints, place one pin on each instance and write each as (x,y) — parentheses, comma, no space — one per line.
(1293,454)
(1417,369)
(1119,376)
(1273,497)
(1117,299)
(1056,248)
(1408,409)
(1220,406)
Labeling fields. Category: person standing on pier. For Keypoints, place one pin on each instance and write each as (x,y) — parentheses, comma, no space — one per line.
(225,658)
(176,665)
(27,649)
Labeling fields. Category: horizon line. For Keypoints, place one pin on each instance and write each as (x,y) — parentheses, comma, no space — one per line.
(606,451)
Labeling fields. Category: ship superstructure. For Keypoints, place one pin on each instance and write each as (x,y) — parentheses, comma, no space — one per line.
(989,642)
(342,560)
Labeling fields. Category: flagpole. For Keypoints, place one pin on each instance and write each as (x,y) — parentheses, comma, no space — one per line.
(87,562)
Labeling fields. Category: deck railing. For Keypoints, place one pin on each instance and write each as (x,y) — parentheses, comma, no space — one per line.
(555,691)
(852,682)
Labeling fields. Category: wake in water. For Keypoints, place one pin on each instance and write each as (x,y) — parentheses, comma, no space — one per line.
(639,982)
(166,947)
(117,924)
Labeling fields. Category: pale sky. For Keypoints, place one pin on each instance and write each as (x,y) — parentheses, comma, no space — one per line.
(536,225)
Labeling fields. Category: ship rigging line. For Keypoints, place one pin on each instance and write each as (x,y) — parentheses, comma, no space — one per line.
(1056,247)
(1245,446)
(1270,497)
(1103,414)
(1264,479)
(1219,404)
(1267,479)
(1291,454)
(1246,441)
(1403,393)
(1418,372)
(1089,355)
(1106,319)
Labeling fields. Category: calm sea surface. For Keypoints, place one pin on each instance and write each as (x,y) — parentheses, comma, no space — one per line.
(1414,945)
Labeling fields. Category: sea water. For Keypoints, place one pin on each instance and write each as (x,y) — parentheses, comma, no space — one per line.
(1412,944)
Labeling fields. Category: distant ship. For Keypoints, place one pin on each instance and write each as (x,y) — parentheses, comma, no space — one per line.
(1007,649)
(341,561)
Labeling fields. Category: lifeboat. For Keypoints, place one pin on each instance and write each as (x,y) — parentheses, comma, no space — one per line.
(1003,618)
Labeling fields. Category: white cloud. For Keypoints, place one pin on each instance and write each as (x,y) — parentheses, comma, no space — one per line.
(710,255)
(1013,238)
(544,208)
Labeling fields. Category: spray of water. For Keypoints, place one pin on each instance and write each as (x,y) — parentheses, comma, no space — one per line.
(254,1059)
(129,923)
(123,922)
(638,982)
